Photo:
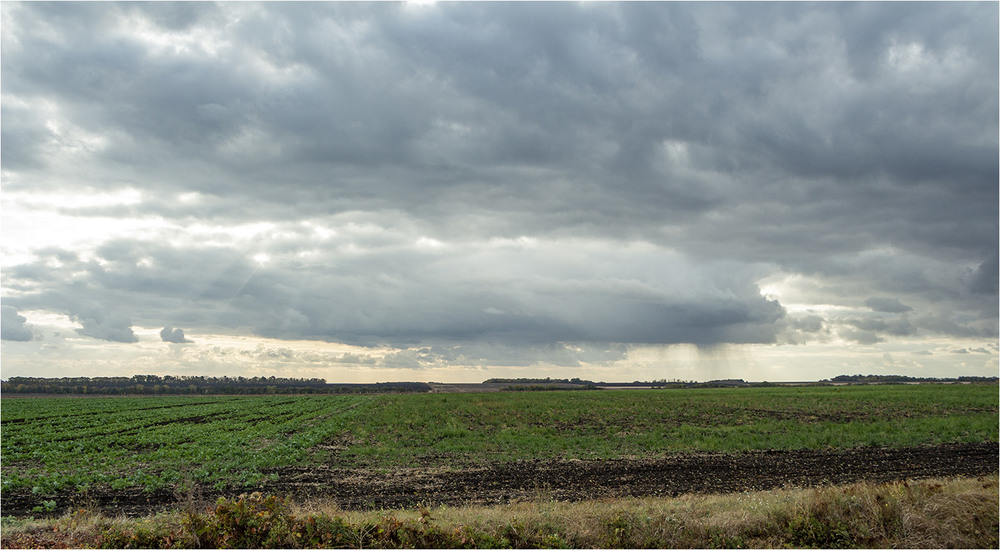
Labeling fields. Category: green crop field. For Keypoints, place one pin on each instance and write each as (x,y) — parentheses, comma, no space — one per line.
(64,444)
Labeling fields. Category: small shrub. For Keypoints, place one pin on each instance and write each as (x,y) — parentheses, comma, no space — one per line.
(321,531)
(253,521)
(512,535)
(618,529)
(717,538)
(813,532)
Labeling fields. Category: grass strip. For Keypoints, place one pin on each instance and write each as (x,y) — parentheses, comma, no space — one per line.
(931,513)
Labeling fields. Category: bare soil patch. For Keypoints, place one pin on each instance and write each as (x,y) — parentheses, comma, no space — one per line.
(569,480)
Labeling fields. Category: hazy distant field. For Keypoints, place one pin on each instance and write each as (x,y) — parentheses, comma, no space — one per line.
(54,445)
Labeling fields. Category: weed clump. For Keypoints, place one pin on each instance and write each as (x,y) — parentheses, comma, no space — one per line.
(259,521)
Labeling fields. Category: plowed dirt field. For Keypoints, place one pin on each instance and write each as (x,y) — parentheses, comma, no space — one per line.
(567,480)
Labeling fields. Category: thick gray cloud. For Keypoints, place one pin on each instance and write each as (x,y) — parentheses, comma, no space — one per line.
(174,335)
(13,326)
(887,305)
(532,174)
(986,279)
(113,328)
(511,292)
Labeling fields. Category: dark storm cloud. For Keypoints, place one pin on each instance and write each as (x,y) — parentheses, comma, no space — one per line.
(399,296)
(985,279)
(313,97)
(853,143)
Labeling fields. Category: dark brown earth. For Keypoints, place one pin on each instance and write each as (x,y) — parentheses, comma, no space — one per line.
(566,479)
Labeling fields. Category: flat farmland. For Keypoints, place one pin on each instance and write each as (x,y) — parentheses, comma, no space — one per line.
(138,454)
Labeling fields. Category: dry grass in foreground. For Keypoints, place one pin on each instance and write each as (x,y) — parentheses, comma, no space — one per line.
(933,513)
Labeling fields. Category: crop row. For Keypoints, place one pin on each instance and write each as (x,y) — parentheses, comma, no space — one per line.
(453,429)
(182,440)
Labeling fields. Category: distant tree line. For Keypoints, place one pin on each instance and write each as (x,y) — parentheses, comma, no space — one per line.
(901,379)
(551,384)
(538,381)
(151,384)
(547,387)
(381,387)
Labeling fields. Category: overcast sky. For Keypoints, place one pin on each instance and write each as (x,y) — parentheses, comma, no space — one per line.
(455,191)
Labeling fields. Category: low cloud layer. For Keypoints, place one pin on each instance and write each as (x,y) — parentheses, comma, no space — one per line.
(510,292)
(887,305)
(503,176)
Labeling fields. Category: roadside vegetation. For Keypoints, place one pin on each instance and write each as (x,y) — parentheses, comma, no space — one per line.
(932,513)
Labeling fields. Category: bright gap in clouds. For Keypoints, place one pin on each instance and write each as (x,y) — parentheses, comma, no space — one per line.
(36,221)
